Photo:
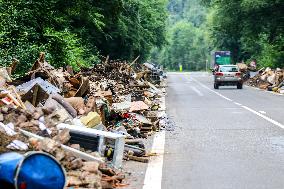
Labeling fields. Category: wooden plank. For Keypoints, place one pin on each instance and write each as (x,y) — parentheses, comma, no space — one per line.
(35,95)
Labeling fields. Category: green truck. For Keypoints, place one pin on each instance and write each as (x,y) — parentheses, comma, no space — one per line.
(221,58)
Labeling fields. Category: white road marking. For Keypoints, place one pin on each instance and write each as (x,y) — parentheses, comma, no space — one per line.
(237,103)
(197,91)
(264,117)
(154,172)
(245,107)
(262,112)
(204,86)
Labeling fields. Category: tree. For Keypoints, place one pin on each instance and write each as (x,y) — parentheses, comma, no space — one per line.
(186,36)
(78,32)
(250,29)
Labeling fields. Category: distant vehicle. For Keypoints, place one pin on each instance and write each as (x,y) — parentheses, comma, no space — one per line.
(221,58)
(228,75)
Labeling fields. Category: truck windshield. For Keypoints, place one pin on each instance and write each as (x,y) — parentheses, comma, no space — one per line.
(228,69)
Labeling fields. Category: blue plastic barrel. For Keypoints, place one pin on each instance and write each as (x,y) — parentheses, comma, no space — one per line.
(34,170)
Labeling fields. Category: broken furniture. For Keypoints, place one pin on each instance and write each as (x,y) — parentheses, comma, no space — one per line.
(88,132)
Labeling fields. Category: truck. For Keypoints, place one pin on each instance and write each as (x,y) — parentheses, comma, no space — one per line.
(221,58)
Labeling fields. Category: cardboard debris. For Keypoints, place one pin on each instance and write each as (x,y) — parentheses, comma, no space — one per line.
(4,76)
(77,103)
(138,106)
(242,67)
(91,120)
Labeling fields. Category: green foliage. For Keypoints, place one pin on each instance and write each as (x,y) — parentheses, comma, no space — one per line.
(186,36)
(140,25)
(271,55)
(77,32)
(67,44)
(29,27)
(184,48)
(249,28)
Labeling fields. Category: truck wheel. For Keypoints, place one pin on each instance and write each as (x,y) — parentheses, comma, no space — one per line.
(239,86)
(216,86)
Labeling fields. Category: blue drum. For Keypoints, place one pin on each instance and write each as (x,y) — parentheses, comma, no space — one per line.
(34,170)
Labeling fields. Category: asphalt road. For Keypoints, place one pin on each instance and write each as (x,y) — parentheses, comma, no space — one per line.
(223,139)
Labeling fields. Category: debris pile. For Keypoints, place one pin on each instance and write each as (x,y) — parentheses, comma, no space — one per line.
(268,79)
(88,120)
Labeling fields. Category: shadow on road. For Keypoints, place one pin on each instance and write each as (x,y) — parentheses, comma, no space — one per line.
(231,88)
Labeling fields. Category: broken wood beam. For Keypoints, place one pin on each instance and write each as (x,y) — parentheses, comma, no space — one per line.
(134,60)
(139,159)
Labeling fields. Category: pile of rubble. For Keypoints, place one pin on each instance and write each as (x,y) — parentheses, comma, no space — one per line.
(268,79)
(88,120)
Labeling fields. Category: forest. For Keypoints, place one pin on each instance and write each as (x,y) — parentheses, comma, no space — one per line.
(250,29)
(79,32)
(167,32)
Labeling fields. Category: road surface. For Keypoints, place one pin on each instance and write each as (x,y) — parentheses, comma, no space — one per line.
(223,139)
